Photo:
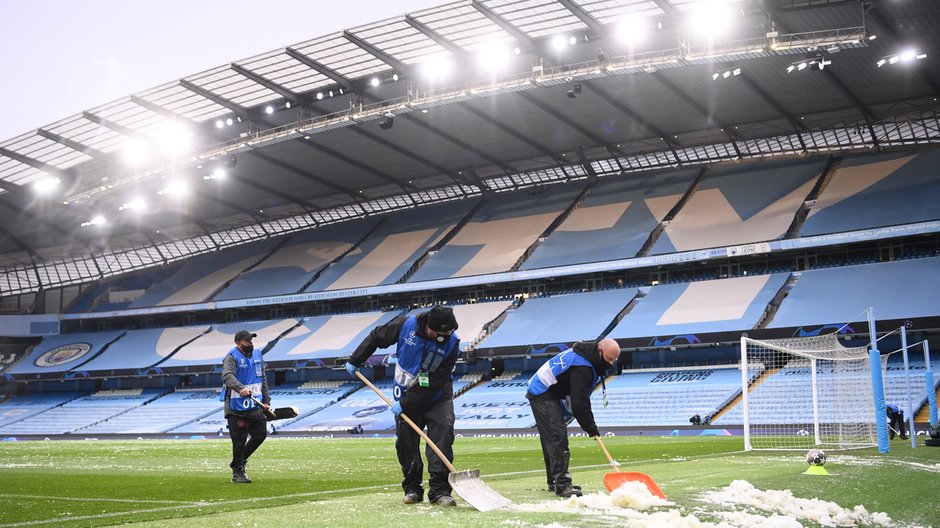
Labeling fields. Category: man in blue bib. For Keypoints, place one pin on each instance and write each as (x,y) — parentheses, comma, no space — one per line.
(243,378)
(427,352)
(563,385)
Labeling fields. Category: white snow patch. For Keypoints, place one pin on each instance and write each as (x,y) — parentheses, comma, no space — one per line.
(826,513)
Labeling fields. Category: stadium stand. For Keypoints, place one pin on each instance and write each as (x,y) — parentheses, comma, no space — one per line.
(664,397)
(200,277)
(499,233)
(731,208)
(361,407)
(560,318)
(162,414)
(706,306)
(291,266)
(24,406)
(325,336)
(497,404)
(613,221)
(210,348)
(140,349)
(899,290)
(64,352)
(77,414)
(386,254)
(474,320)
(876,191)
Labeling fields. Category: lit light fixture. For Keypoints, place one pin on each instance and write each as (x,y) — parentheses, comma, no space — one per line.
(374,81)
(436,68)
(815,63)
(575,91)
(228,121)
(177,188)
(710,18)
(269,109)
(559,42)
(174,138)
(136,151)
(493,57)
(287,104)
(572,40)
(46,185)
(319,96)
(97,220)
(909,55)
(630,30)
(395,77)
(134,204)
(219,123)
(726,74)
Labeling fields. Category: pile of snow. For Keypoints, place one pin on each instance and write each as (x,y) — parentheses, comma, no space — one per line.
(826,513)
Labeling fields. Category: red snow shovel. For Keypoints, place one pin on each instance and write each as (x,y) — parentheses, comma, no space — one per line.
(467,483)
(614,480)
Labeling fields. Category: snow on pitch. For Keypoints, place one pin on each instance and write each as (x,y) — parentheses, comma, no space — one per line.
(638,508)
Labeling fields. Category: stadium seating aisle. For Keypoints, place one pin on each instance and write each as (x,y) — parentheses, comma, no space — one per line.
(876,191)
(729,209)
(613,221)
(291,266)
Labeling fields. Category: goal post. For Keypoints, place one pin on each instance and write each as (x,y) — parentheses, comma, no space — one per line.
(808,392)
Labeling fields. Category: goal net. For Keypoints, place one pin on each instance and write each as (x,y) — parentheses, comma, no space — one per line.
(806,392)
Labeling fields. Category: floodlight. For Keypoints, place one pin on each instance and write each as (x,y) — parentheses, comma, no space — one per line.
(493,56)
(219,123)
(269,109)
(558,42)
(374,81)
(136,151)
(395,77)
(710,18)
(631,30)
(97,220)
(174,138)
(134,204)
(436,67)
(287,104)
(46,185)
(572,41)
(228,121)
(319,96)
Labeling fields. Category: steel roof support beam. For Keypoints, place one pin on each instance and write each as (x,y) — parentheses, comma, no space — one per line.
(36,164)
(303,173)
(111,125)
(580,129)
(163,111)
(319,68)
(377,53)
(583,16)
(516,33)
(511,131)
(436,37)
(72,144)
(267,83)
(233,107)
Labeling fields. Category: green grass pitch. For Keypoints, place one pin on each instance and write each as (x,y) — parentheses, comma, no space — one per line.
(355,481)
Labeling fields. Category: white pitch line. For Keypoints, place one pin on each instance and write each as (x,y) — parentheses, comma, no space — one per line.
(94,499)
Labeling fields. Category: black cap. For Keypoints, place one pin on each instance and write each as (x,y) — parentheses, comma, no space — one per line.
(244,334)
(441,319)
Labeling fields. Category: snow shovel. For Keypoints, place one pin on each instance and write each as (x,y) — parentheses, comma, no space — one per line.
(467,484)
(614,480)
(280,413)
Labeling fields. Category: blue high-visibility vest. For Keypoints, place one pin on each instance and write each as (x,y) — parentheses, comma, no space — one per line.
(250,373)
(416,354)
(547,374)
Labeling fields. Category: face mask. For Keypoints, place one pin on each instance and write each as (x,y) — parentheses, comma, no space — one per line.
(248,349)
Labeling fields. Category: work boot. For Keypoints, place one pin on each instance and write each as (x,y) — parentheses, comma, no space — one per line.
(412,497)
(568,490)
(551,487)
(445,500)
(239,476)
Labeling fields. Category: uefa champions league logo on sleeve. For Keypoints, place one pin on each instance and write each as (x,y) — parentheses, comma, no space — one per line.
(63,354)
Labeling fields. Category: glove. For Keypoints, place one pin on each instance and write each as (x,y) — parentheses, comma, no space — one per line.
(593,433)
(396,409)
(351,369)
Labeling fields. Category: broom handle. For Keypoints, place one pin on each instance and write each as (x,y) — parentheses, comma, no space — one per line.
(268,410)
(412,424)
(606,452)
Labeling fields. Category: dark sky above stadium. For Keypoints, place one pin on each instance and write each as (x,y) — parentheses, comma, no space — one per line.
(64,56)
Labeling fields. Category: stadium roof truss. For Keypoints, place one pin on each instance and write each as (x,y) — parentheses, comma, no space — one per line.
(412,111)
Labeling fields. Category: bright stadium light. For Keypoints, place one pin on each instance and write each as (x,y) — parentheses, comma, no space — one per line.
(631,30)
(437,67)
(134,204)
(46,185)
(269,109)
(97,220)
(710,18)
(176,188)
(136,151)
(374,81)
(908,55)
(493,56)
(559,42)
(174,138)
(219,123)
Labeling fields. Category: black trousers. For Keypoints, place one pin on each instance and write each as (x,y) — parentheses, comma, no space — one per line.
(438,420)
(553,434)
(897,422)
(247,434)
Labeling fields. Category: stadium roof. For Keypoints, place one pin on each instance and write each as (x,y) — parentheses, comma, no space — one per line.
(472,96)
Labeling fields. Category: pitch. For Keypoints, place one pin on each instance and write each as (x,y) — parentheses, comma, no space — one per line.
(354,482)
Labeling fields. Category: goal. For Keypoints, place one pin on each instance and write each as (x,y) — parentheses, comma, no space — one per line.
(806,392)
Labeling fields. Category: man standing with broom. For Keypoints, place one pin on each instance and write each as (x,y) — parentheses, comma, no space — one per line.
(563,385)
(424,391)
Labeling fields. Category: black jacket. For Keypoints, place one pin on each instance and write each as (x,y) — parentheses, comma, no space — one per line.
(440,381)
(578,382)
